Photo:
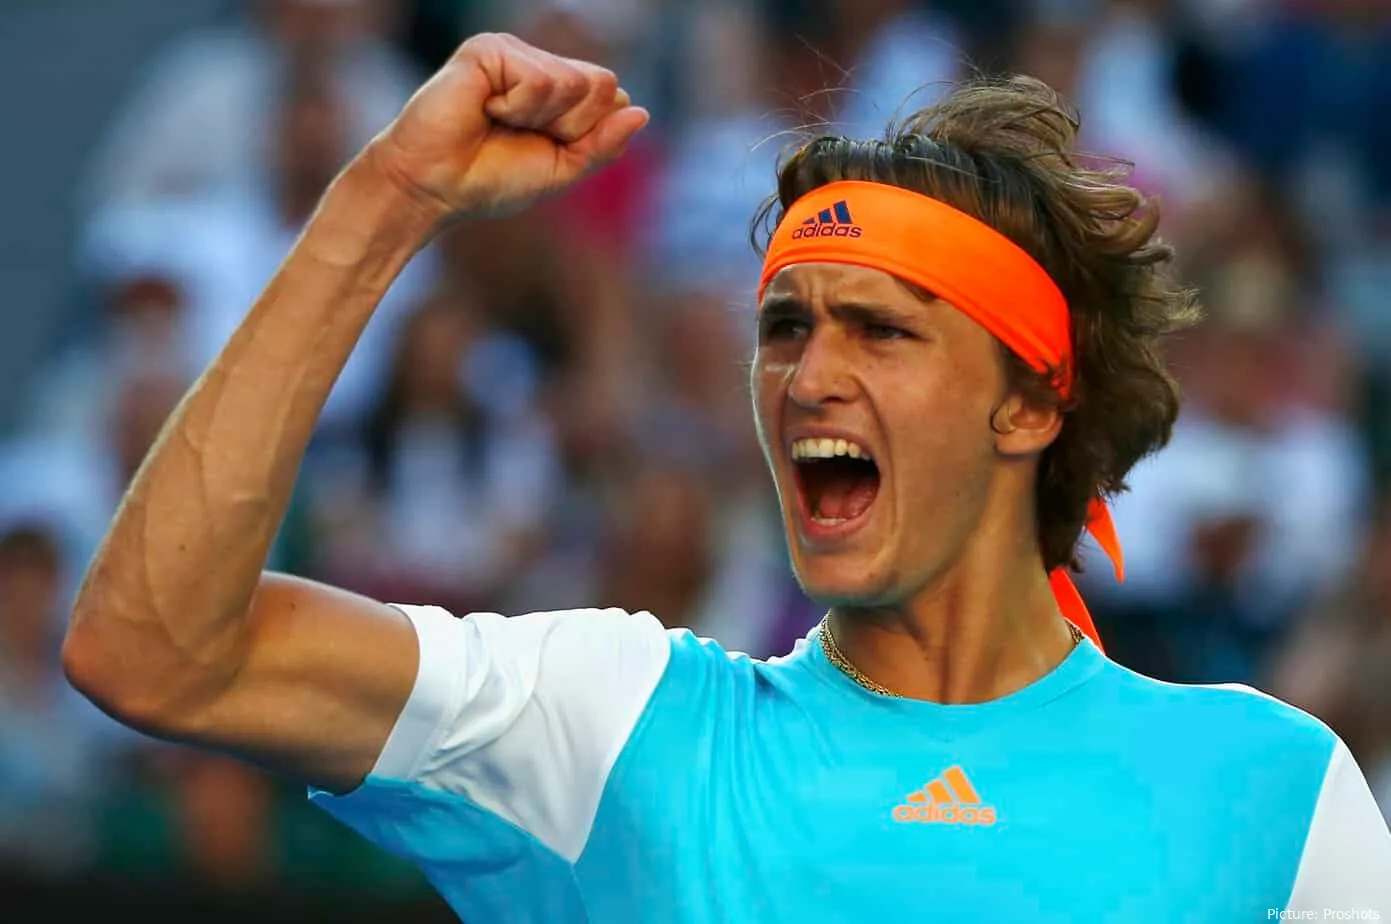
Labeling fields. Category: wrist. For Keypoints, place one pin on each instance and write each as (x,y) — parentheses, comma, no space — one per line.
(366,212)
(376,168)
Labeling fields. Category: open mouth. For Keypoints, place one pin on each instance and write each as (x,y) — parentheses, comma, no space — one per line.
(837,480)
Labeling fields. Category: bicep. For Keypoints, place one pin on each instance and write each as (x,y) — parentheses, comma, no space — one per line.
(325,676)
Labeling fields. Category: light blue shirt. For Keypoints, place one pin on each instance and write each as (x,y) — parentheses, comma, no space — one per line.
(590,766)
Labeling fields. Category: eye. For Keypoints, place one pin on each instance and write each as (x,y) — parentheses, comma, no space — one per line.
(885,332)
(779,329)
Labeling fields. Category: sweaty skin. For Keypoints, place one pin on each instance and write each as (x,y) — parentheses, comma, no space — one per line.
(176,631)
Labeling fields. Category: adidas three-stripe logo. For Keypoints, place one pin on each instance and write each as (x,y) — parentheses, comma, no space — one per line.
(950,800)
(832,222)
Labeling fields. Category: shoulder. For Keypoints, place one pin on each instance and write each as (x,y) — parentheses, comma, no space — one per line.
(486,680)
(1287,783)
(513,724)
(585,632)
(602,665)
(1237,716)
(485,669)
(703,675)
(1232,740)
(698,658)
(711,699)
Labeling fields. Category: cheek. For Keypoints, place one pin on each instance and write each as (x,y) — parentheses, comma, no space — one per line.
(940,424)
(969,389)
(765,389)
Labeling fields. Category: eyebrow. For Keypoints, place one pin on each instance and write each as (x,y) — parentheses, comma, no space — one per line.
(783,306)
(856,312)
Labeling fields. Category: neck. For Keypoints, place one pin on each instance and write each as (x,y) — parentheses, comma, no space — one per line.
(987,627)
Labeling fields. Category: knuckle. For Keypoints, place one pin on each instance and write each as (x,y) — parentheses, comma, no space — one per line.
(481,40)
(543,82)
(605,82)
(489,42)
(571,82)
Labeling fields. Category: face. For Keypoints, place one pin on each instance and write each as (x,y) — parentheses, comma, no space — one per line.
(847,353)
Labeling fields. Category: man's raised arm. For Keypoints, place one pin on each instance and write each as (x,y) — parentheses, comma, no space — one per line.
(175,630)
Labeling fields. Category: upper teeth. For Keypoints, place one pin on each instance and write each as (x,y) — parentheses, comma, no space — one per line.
(814,448)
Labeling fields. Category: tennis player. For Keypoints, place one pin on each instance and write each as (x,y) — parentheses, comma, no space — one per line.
(956,362)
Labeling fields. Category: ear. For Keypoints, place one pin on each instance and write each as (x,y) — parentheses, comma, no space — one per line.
(1023,427)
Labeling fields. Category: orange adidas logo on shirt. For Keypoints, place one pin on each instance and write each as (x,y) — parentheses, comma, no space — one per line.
(950,800)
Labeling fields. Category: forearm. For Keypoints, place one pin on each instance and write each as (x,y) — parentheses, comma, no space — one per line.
(172,583)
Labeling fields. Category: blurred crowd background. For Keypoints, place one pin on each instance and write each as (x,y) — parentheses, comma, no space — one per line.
(550,410)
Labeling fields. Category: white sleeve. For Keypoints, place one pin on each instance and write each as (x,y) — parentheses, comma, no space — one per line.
(1346,864)
(525,716)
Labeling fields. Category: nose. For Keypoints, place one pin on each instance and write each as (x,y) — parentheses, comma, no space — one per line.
(824,371)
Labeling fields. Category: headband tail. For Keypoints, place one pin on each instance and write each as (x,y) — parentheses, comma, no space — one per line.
(1071,605)
(1103,530)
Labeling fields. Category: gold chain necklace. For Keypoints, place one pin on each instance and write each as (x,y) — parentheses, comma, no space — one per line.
(842,663)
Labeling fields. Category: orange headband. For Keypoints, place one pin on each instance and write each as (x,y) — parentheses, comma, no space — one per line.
(965,262)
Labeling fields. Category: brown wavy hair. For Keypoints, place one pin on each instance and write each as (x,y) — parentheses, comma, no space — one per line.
(1003,151)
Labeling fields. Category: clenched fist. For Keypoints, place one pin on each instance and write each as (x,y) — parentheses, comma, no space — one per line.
(501,125)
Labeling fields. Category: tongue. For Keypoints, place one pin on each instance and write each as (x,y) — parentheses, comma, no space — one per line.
(844,490)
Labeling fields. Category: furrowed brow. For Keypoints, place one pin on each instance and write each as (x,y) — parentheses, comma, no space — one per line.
(863,313)
(783,306)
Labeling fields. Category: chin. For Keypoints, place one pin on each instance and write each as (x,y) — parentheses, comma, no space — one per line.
(842,579)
